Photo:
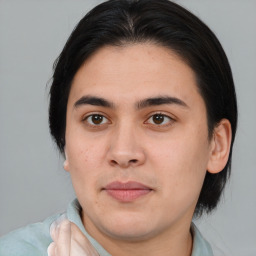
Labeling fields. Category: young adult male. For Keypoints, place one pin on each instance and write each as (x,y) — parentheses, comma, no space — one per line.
(143,109)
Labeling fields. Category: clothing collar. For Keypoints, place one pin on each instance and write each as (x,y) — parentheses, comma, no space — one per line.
(200,246)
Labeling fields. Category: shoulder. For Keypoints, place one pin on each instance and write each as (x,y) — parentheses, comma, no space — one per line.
(31,240)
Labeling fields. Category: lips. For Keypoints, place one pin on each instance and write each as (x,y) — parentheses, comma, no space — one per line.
(127,192)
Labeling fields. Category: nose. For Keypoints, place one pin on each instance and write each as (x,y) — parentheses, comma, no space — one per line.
(125,148)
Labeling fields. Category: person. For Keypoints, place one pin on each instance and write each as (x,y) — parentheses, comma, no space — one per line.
(143,109)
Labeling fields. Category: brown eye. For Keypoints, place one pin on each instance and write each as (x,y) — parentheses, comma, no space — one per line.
(159,119)
(96,119)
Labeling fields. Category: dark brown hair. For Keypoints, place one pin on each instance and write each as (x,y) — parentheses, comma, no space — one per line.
(162,22)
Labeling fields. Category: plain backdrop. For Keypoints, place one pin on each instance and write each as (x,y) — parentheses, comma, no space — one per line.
(33,184)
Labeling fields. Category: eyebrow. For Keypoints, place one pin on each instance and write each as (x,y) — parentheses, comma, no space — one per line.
(95,101)
(161,100)
(154,101)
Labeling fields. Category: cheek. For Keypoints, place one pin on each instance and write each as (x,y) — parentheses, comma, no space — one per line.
(181,164)
(85,160)
(84,152)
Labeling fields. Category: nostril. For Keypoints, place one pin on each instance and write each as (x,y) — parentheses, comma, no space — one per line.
(123,163)
(113,162)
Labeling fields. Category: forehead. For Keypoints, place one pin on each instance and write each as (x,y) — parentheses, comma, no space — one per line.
(132,72)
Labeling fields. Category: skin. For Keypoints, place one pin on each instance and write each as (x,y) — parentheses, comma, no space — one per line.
(171,157)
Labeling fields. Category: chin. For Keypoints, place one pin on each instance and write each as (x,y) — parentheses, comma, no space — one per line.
(130,229)
(131,234)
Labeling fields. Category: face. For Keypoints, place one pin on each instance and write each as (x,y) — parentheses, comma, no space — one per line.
(137,142)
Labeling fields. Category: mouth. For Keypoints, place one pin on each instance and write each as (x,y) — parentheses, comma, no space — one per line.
(128,191)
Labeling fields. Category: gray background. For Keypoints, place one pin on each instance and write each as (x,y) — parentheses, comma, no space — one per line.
(33,184)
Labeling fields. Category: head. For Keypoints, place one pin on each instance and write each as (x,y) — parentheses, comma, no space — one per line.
(123,24)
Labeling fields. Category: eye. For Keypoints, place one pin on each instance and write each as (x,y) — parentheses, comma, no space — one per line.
(96,119)
(159,119)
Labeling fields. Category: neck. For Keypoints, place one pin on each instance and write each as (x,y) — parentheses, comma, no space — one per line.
(173,242)
(178,246)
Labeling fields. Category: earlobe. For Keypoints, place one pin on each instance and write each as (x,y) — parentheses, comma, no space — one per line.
(66,163)
(220,147)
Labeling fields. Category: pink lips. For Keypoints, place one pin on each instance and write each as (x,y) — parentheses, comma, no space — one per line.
(127,192)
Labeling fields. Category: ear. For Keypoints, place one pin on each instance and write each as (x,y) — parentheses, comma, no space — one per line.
(220,146)
(66,163)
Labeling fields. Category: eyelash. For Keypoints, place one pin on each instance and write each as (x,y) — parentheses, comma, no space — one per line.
(164,116)
(107,121)
(86,118)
